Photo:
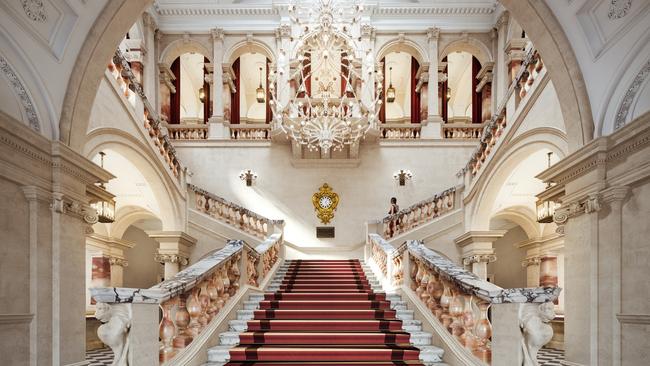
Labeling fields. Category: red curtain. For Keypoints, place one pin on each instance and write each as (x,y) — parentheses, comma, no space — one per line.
(207,105)
(269,113)
(477,102)
(175,98)
(415,96)
(234,97)
(382,109)
(307,72)
(442,91)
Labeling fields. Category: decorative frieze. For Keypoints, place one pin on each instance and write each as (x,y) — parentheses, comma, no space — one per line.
(618,9)
(630,95)
(21,92)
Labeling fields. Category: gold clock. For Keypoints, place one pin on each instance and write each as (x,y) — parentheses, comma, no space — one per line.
(325,202)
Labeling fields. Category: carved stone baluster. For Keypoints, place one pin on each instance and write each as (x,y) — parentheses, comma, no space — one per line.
(456,308)
(182,320)
(469,322)
(195,310)
(483,333)
(167,331)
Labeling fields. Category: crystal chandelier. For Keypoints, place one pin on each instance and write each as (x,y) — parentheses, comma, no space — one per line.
(324,110)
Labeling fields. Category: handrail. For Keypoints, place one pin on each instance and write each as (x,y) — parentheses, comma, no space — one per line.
(531,66)
(462,130)
(232,213)
(419,213)
(121,70)
(256,131)
(398,131)
(188,132)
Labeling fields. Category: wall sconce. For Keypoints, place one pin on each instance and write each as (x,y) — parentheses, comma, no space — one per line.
(202,95)
(448,93)
(390,92)
(402,176)
(248,176)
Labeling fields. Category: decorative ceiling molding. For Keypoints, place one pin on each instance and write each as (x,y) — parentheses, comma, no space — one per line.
(436,10)
(630,94)
(205,11)
(21,92)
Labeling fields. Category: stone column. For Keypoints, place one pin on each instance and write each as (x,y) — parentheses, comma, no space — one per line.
(283,39)
(532,270)
(216,128)
(477,250)
(432,127)
(174,250)
(117,270)
(501,71)
(368,65)
(149,77)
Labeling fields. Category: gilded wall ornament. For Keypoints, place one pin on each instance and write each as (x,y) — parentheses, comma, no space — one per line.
(325,202)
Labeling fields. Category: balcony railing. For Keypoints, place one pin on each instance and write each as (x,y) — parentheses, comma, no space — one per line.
(250,132)
(119,67)
(232,214)
(419,213)
(462,131)
(187,132)
(400,131)
(457,302)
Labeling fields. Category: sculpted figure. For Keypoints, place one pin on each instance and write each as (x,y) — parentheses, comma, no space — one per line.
(115,330)
(533,321)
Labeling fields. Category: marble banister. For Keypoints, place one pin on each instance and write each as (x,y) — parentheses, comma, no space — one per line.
(529,71)
(419,213)
(462,130)
(457,301)
(234,215)
(120,68)
(257,131)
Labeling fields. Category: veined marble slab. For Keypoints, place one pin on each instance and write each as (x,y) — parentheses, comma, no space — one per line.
(181,282)
(383,244)
(268,243)
(473,284)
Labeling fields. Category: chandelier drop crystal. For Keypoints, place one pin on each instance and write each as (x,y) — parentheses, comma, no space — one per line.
(324,109)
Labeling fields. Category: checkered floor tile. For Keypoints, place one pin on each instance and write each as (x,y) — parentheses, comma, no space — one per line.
(550,357)
(100,357)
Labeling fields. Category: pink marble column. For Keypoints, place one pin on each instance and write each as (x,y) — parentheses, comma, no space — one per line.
(100,273)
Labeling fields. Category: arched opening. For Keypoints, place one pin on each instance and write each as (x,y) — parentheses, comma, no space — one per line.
(463,97)
(249,101)
(188,99)
(402,98)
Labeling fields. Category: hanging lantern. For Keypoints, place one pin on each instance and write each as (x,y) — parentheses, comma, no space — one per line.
(202,95)
(448,93)
(259,92)
(546,205)
(101,200)
(390,92)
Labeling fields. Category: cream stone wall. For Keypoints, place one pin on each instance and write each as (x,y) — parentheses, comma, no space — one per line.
(507,271)
(283,191)
(143,271)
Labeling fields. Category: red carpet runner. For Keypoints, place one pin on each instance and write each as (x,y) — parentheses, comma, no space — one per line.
(324,313)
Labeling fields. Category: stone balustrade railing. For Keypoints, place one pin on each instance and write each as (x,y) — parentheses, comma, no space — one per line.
(457,302)
(187,132)
(529,71)
(250,132)
(399,131)
(132,88)
(233,214)
(190,303)
(419,213)
(462,130)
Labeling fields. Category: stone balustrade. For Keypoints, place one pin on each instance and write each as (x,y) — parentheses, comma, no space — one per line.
(250,132)
(419,213)
(529,71)
(462,130)
(189,303)
(187,132)
(458,302)
(132,88)
(233,214)
(400,131)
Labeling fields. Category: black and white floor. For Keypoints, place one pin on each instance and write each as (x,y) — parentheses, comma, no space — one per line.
(546,357)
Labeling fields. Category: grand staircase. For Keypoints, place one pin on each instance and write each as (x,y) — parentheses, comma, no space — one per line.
(326,312)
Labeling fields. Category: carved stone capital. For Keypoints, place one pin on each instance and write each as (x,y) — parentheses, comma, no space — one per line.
(149,20)
(368,31)
(502,20)
(171,258)
(433,34)
(479,258)
(283,31)
(217,34)
(63,205)
(532,261)
(116,261)
(590,204)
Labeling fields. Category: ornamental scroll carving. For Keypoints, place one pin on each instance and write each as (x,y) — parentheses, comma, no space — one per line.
(573,209)
(34,10)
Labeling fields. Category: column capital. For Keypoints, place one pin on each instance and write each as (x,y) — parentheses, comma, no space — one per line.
(217,34)
(502,20)
(149,21)
(589,204)
(433,34)
(531,261)
(368,31)
(117,261)
(479,258)
(283,31)
(171,258)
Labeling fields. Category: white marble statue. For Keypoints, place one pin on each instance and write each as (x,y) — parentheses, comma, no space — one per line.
(533,321)
(115,330)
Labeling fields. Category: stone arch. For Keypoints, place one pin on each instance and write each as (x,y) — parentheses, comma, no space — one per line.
(128,216)
(248,46)
(406,45)
(170,200)
(521,216)
(547,35)
(181,46)
(480,211)
(470,45)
